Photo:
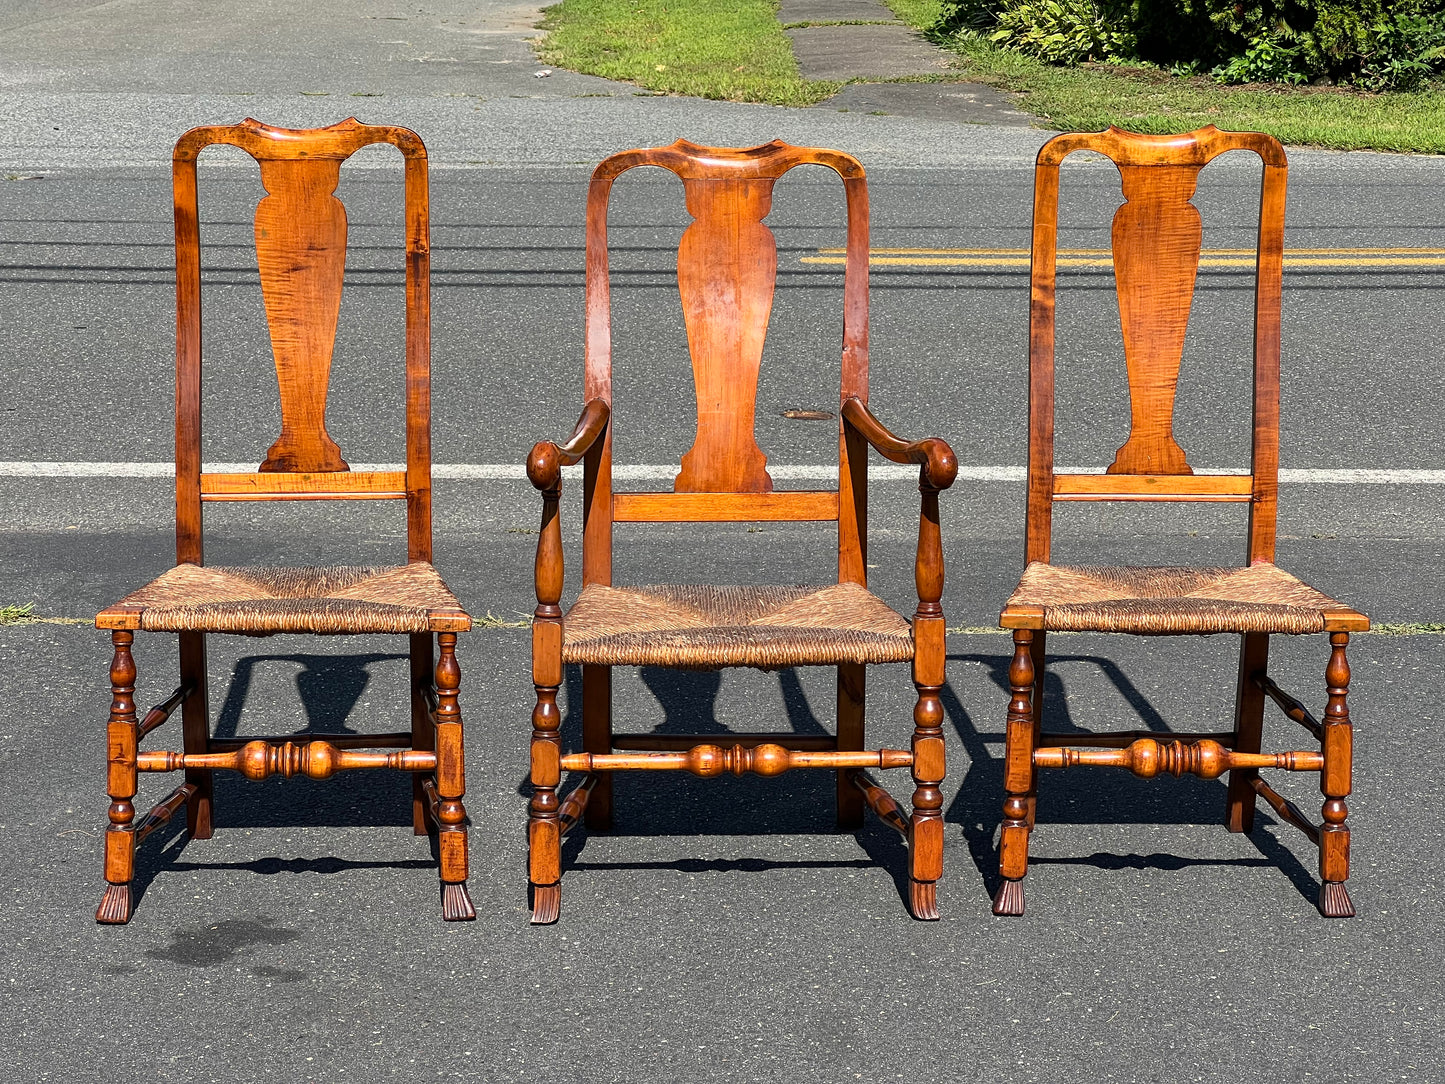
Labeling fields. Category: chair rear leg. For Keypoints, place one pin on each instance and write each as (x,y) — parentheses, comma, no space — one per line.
(1036,653)
(1338,742)
(597,738)
(196,731)
(851,687)
(122,739)
(1013,856)
(423,733)
(1248,729)
(451,814)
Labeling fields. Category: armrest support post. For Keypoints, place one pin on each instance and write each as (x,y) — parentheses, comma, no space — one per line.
(544,468)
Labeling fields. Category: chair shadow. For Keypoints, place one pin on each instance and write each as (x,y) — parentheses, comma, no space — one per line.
(329,687)
(677,806)
(1076,798)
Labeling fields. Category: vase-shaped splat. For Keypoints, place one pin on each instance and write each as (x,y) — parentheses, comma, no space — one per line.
(726,271)
(1157,235)
(301,255)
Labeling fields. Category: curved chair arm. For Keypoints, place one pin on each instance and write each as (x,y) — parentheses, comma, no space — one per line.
(940,465)
(544,465)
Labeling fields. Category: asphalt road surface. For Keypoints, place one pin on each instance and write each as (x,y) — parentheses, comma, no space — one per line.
(724,932)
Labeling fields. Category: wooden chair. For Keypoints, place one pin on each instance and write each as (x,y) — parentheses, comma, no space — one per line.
(301,253)
(727,266)
(1156,246)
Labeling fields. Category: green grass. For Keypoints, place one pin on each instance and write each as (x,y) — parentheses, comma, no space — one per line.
(492,621)
(1150,100)
(17,615)
(920,14)
(1144,99)
(732,49)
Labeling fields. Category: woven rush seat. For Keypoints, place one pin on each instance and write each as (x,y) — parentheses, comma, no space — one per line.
(704,627)
(262,601)
(1159,601)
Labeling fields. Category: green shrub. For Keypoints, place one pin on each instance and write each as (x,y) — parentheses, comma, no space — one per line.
(1065,31)
(1371,44)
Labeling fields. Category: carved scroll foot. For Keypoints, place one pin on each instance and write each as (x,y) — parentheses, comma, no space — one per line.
(923,900)
(116,907)
(1009,899)
(1334,901)
(456,903)
(546,904)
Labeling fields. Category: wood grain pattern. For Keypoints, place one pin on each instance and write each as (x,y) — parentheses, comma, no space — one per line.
(794,506)
(301,255)
(337,485)
(727,266)
(1157,236)
(1153,487)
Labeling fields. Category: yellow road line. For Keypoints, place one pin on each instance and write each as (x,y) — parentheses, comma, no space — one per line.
(1086,257)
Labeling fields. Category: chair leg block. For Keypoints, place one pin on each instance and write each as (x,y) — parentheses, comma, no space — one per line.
(1334,900)
(457,903)
(546,904)
(116,906)
(1009,899)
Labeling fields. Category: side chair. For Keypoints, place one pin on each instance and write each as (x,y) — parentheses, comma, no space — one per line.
(726,273)
(301,235)
(1157,234)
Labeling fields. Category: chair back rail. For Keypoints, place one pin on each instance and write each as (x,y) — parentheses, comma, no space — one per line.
(727,271)
(301,239)
(1156,237)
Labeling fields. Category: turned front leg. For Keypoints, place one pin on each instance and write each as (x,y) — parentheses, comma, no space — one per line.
(451,814)
(1013,855)
(925,848)
(122,737)
(544,826)
(1338,748)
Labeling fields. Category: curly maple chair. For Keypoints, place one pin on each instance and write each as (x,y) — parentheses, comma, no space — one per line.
(301,253)
(727,266)
(1156,244)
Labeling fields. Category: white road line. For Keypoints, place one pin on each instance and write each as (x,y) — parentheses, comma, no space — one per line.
(506,472)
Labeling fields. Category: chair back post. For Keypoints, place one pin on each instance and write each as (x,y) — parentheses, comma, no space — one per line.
(852,446)
(727,271)
(1268,293)
(1039,517)
(189,543)
(301,233)
(1157,236)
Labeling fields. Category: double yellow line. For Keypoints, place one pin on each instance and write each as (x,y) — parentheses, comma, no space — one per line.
(1098,257)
